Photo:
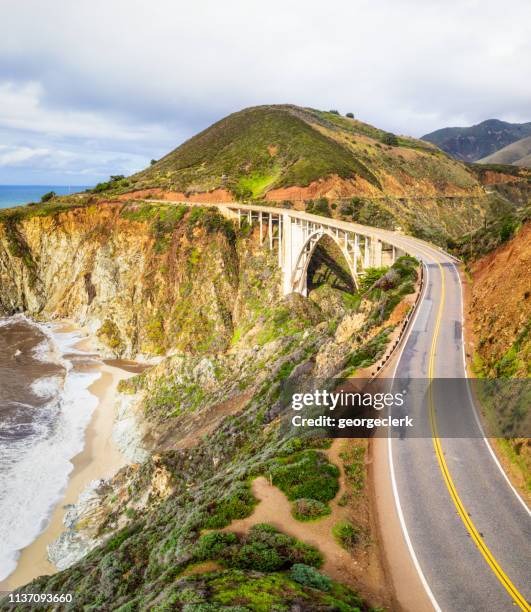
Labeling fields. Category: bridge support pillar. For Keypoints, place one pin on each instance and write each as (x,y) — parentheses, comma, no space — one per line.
(376,253)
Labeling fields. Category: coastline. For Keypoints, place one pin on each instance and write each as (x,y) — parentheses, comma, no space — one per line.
(100,458)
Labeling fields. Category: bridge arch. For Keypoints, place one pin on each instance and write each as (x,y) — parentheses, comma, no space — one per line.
(299,273)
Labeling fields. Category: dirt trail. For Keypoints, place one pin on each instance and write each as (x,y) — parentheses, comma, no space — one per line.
(360,570)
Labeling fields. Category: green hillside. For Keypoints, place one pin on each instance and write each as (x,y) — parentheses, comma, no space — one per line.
(256,150)
(252,150)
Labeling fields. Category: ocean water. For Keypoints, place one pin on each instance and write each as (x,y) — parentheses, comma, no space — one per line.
(14,195)
(45,407)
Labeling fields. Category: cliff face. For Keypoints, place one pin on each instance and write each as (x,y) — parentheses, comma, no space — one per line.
(500,306)
(144,279)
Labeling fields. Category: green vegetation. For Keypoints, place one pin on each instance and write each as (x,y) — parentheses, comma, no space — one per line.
(515,361)
(242,591)
(50,195)
(319,207)
(390,139)
(309,576)
(117,181)
(309,509)
(368,353)
(308,480)
(18,247)
(354,467)
(346,534)
(247,152)
(263,549)
(371,276)
(162,219)
(252,186)
(367,212)
(49,208)
(499,228)
(110,335)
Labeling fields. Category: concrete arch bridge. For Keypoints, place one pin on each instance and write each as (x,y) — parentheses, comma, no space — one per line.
(295,235)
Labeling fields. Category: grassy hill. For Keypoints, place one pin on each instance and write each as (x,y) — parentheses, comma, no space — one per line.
(260,150)
(517,153)
(478,141)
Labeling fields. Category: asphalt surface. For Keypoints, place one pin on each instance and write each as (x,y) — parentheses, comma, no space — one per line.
(457,573)
(454,499)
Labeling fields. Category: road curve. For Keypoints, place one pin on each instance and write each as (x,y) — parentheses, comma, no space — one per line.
(467,530)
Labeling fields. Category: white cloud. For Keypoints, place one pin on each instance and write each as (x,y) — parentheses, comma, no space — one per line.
(138,77)
(16,155)
(22,108)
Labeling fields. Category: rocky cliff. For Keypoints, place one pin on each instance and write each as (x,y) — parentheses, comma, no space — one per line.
(143,278)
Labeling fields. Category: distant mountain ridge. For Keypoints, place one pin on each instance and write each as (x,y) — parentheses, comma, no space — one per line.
(518,154)
(478,141)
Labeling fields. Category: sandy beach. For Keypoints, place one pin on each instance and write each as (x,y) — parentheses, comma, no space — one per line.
(99,459)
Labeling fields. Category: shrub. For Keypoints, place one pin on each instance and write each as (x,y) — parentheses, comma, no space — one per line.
(334,112)
(389,139)
(346,209)
(346,534)
(350,115)
(48,196)
(237,505)
(304,553)
(506,231)
(212,545)
(110,334)
(309,509)
(354,466)
(319,207)
(263,549)
(102,187)
(306,474)
(258,556)
(371,276)
(309,576)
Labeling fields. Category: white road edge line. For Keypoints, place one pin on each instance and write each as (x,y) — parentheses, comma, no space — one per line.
(394,486)
(471,400)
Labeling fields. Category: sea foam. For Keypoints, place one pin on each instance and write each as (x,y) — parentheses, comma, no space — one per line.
(36,467)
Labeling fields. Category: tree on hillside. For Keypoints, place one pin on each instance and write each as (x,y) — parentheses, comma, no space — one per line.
(319,207)
(48,196)
(390,139)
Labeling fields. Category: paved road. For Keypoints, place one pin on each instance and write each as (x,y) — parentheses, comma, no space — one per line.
(468,532)
(455,500)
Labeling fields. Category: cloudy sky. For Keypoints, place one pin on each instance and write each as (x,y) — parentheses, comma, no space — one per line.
(90,88)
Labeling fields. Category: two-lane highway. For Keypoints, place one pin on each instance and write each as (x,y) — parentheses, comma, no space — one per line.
(467,527)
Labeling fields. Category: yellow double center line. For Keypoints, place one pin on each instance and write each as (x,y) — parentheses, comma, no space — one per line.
(517,597)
